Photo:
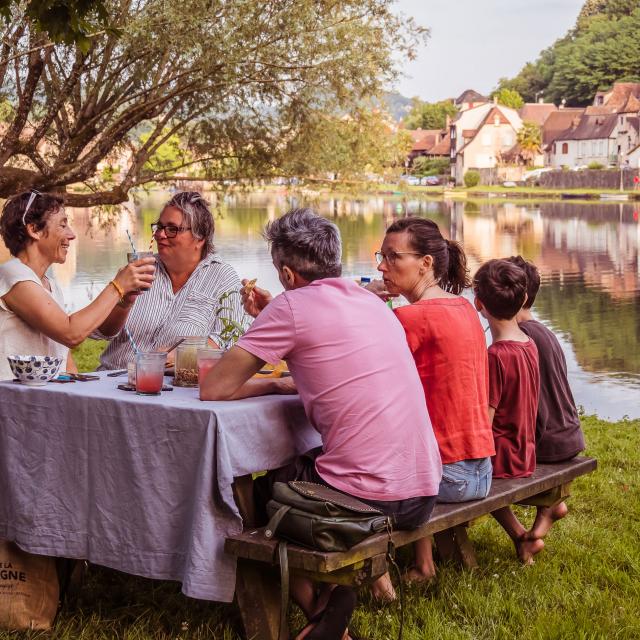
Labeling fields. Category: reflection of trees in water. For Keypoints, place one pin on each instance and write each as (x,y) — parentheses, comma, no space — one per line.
(104,218)
(605,334)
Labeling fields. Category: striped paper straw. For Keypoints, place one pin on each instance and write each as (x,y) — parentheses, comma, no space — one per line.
(131,340)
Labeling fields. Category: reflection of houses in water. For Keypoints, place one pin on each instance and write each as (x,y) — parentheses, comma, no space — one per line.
(604,255)
(487,234)
(603,252)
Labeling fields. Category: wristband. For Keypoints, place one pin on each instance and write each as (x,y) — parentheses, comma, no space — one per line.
(119,289)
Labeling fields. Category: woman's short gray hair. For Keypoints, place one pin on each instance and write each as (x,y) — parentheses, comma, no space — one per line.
(307,243)
(196,215)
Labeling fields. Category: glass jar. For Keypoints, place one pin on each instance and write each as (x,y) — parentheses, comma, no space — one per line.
(186,374)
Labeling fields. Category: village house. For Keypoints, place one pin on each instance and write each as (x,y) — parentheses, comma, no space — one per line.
(605,133)
(424,141)
(480,138)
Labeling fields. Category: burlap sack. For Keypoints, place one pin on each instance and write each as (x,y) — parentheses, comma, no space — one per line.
(29,589)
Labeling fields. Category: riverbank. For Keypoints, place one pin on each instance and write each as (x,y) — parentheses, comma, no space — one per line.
(403,190)
(583,585)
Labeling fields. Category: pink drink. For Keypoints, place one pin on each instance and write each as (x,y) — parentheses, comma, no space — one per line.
(150,373)
(207,359)
(206,366)
(149,382)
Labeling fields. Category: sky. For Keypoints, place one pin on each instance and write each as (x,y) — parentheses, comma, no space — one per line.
(474,43)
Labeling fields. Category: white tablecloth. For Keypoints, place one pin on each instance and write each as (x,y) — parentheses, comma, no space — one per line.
(139,484)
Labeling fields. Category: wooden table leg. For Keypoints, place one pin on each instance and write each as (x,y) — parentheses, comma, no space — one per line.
(243,495)
(258,594)
(257,584)
(454,546)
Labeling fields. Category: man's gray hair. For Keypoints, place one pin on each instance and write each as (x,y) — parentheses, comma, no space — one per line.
(307,243)
(196,215)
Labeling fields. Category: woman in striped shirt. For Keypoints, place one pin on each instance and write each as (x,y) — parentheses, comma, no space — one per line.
(185,295)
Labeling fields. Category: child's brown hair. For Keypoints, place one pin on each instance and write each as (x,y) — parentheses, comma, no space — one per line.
(533,278)
(501,286)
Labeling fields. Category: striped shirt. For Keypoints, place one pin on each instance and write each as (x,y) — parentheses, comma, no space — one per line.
(159,316)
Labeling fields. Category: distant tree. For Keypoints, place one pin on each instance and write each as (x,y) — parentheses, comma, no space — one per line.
(529,138)
(601,49)
(235,81)
(509,98)
(347,147)
(423,166)
(606,51)
(429,115)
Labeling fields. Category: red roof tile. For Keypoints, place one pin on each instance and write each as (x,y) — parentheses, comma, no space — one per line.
(558,122)
(536,112)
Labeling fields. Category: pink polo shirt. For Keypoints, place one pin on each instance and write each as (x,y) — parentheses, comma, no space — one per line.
(359,386)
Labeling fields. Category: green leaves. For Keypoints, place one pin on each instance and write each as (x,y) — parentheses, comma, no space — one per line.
(509,98)
(64,21)
(602,49)
(427,115)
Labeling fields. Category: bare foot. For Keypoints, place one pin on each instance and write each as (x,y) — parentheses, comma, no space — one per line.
(545,518)
(526,548)
(382,589)
(420,574)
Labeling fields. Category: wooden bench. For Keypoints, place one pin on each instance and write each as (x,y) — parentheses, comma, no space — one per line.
(257,584)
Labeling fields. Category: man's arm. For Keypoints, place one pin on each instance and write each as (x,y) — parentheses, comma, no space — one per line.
(230,379)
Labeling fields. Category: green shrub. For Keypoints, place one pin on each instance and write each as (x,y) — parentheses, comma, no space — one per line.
(471,178)
(595,165)
(423,166)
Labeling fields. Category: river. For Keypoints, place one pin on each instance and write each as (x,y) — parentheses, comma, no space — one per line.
(588,255)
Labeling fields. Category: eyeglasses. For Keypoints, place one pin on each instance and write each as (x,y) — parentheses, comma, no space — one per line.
(392,256)
(34,194)
(170,230)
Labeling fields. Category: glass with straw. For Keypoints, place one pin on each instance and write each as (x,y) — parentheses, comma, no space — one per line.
(134,255)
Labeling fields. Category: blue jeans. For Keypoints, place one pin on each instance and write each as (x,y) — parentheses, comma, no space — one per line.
(465,480)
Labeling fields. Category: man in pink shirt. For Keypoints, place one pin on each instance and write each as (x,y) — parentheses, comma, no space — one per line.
(354,373)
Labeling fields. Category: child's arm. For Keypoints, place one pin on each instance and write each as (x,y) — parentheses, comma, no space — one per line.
(492,413)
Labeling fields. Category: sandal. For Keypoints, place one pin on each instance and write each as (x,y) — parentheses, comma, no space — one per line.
(330,624)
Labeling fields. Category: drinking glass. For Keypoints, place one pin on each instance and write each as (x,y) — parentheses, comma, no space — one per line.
(207,359)
(150,373)
(137,255)
(187,361)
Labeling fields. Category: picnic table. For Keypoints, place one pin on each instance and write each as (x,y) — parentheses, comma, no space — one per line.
(140,484)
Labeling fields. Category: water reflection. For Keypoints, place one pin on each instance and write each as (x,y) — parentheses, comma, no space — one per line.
(588,255)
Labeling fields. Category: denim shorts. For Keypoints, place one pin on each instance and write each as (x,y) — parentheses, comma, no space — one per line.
(465,480)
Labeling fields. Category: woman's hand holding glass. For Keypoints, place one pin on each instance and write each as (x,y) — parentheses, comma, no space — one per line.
(136,276)
(254,299)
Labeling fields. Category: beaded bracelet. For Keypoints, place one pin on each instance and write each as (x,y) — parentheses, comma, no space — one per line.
(119,289)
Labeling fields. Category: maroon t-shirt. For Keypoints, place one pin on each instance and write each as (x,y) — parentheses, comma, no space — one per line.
(514,385)
(558,433)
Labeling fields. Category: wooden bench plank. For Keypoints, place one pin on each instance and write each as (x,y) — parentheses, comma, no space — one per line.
(252,545)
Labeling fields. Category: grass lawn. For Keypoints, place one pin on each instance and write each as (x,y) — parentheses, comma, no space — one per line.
(585,584)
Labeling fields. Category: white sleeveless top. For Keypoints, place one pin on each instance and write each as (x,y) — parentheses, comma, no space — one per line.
(16,336)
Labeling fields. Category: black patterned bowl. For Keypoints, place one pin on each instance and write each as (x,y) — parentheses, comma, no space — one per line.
(34,371)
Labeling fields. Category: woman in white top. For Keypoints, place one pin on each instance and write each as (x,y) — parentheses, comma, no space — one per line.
(35,229)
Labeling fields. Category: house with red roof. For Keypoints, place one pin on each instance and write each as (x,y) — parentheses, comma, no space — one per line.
(605,132)
(424,142)
(481,137)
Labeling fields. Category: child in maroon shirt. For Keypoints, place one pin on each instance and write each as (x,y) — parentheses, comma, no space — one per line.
(558,433)
(514,384)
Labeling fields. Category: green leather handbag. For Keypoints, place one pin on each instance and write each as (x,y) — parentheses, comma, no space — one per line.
(321,518)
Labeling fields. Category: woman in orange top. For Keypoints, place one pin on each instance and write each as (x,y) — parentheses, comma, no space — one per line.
(449,347)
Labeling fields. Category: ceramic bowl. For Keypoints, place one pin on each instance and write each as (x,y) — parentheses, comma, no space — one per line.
(34,371)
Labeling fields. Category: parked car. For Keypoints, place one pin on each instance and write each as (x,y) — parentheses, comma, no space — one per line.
(414,181)
(431,181)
